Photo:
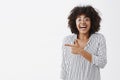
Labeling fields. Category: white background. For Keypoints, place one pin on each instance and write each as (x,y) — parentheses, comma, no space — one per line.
(31,34)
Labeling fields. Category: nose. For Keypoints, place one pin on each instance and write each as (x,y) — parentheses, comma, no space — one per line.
(82,22)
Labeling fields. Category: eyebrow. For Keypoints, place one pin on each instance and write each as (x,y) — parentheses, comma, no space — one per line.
(84,17)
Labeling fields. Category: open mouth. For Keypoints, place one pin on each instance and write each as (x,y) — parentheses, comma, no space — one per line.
(83,27)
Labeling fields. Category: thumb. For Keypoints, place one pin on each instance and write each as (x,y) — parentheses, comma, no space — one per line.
(76,42)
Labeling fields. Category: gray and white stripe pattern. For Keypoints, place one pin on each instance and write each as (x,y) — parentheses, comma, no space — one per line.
(76,67)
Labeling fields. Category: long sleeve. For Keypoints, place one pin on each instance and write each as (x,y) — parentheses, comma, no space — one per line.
(64,64)
(100,59)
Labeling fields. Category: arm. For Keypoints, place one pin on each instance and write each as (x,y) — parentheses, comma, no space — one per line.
(99,60)
(86,55)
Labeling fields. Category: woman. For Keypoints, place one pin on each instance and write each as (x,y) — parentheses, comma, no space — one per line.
(84,52)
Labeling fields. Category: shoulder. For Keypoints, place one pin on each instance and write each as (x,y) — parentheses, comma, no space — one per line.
(99,36)
(69,38)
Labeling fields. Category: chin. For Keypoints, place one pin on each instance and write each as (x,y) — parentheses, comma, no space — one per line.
(83,32)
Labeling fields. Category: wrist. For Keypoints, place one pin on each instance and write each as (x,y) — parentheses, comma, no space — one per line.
(81,51)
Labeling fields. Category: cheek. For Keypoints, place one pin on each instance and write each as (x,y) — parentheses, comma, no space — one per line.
(89,24)
(77,24)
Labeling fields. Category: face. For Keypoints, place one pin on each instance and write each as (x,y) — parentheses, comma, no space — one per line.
(83,24)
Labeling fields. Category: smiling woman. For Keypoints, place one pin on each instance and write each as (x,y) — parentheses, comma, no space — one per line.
(83,24)
(84,52)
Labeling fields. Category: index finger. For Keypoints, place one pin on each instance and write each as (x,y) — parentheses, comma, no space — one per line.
(70,45)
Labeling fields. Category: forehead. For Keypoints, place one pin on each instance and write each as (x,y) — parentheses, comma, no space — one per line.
(82,16)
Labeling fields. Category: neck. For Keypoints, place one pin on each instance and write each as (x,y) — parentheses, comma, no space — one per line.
(83,36)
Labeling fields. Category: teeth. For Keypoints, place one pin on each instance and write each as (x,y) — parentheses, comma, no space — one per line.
(83,27)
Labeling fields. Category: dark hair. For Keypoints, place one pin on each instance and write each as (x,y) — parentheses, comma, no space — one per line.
(90,12)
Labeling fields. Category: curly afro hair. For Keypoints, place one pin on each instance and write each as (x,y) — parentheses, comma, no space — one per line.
(90,12)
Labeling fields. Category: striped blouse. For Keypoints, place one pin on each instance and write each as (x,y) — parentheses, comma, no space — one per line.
(76,67)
